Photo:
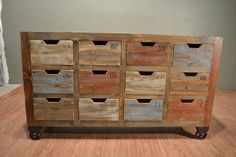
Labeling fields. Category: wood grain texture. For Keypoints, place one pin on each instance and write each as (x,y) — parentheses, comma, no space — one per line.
(91,54)
(74,143)
(154,55)
(184,56)
(188,86)
(186,108)
(136,111)
(107,83)
(97,111)
(53,110)
(143,84)
(51,54)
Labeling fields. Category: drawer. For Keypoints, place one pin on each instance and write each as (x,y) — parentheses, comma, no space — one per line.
(99,82)
(99,109)
(99,52)
(51,52)
(52,81)
(147,54)
(143,109)
(186,87)
(186,108)
(193,55)
(53,108)
(145,82)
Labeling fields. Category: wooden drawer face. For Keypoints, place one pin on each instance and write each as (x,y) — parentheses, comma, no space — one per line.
(99,52)
(52,81)
(194,87)
(99,82)
(53,108)
(143,109)
(51,52)
(145,82)
(99,109)
(193,55)
(186,108)
(147,54)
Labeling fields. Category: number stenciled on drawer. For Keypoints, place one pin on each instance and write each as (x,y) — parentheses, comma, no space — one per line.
(114,46)
(113,75)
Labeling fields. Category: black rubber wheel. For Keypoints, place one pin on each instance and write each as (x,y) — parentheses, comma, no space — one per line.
(200,135)
(34,135)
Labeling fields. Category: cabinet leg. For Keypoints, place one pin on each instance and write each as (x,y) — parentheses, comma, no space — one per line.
(201,132)
(35,132)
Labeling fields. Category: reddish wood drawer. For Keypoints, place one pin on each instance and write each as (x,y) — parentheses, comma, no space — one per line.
(145,82)
(106,109)
(186,108)
(147,53)
(53,108)
(193,55)
(51,52)
(99,52)
(52,81)
(99,82)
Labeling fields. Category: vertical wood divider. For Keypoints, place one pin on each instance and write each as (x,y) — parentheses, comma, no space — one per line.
(76,79)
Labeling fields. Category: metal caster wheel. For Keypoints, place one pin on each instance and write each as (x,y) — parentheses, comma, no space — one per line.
(34,135)
(201,132)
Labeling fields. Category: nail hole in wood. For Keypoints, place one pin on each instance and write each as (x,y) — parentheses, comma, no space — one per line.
(99,72)
(98,42)
(144,100)
(147,73)
(187,100)
(194,45)
(148,43)
(52,71)
(51,42)
(190,73)
(98,99)
(53,99)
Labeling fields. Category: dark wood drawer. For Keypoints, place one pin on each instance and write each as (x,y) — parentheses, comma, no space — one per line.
(143,109)
(106,109)
(53,108)
(145,82)
(101,81)
(99,52)
(147,53)
(51,52)
(193,55)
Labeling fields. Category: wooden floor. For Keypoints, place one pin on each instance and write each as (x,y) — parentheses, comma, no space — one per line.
(220,142)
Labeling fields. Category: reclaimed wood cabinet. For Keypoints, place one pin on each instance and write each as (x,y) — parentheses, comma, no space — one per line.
(119,80)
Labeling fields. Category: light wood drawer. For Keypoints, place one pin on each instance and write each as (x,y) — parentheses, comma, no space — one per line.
(143,109)
(51,52)
(52,81)
(106,109)
(186,108)
(99,52)
(145,82)
(53,108)
(193,55)
(99,82)
(147,54)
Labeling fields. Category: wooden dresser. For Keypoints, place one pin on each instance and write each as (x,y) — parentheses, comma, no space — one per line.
(119,80)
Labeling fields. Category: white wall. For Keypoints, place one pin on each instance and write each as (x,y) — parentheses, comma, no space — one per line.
(173,17)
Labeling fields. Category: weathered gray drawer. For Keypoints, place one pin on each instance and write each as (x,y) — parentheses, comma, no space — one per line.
(99,109)
(53,108)
(193,55)
(143,109)
(51,52)
(52,81)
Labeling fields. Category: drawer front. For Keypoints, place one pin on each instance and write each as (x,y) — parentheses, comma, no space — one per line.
(186,108)
(53,108)
(190,76)
(145,82)
(147,54)
(185,87)
(99,82)
(143,109)
(99,109)
(193,55)
(52,81)
(99,52)
(51,52)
